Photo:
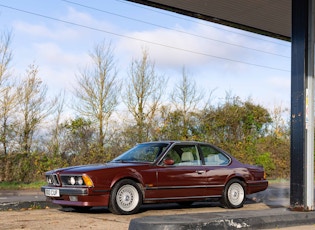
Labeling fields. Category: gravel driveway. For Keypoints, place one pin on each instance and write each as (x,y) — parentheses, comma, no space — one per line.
(56,218)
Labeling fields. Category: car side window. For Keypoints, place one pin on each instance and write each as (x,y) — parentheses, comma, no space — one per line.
(184,155)
(213,157)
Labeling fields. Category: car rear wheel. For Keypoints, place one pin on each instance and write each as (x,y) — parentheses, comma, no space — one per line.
(125,198)
(234,194)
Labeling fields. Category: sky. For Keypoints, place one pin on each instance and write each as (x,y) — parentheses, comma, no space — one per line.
(57,36)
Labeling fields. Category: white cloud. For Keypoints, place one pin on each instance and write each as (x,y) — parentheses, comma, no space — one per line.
(57,66)
(61,49)
(198,46)
(55,56)
(257,81)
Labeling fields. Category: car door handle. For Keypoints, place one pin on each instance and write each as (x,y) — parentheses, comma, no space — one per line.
(200,171)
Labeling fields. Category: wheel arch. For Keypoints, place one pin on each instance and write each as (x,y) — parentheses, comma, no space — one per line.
(237,177)
(128,174)
(136,180)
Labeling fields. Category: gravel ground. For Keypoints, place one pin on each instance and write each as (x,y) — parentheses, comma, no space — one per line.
(29,210)
(57,218)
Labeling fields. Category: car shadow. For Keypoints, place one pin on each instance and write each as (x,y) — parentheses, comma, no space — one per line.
(276,196)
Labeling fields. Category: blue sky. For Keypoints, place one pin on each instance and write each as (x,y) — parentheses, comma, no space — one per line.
(58,35)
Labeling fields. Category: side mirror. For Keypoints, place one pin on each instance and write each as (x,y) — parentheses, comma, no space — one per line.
(169,162)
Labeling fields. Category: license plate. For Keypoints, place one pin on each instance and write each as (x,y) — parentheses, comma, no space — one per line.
(52,192)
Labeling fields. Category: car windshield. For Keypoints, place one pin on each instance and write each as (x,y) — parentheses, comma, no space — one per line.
(146,152)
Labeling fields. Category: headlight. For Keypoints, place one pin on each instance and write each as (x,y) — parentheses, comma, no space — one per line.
(52,179)
(80,181)
(72,180)
(49,180)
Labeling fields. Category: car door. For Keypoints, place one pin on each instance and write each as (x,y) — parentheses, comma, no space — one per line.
(216,167)
(186,178)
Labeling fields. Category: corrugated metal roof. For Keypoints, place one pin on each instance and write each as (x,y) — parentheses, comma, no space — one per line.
(268,17)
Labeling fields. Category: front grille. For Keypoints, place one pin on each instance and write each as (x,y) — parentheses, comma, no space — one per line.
(52,179)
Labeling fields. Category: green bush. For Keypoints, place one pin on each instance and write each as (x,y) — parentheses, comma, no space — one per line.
(266,161)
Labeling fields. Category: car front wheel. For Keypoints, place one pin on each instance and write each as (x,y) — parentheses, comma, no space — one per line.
(125,198)
(234,194)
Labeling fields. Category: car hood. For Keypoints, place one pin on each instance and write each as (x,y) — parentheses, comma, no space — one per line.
(93,167)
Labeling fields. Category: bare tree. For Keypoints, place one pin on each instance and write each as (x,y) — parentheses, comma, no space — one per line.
(98,89)
(33,107)
(8,104)
(186,97)
(143,94)
(7,92)
(5,56)
(54,144)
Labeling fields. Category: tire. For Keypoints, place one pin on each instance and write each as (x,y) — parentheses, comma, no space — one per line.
(234,194)
(125,198)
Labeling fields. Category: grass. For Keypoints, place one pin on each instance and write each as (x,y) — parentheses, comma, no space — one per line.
(19,185)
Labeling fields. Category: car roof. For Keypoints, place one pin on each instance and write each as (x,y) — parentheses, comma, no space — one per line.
(176,141)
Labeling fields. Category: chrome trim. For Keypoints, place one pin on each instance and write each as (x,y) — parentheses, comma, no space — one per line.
(182,198)
(68,191)
(183,187)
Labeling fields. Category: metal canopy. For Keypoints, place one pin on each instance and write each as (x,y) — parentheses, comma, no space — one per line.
(268,17)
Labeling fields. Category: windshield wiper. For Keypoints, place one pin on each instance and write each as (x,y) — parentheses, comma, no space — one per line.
(118,161)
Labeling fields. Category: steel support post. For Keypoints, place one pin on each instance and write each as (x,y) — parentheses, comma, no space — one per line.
(302,106)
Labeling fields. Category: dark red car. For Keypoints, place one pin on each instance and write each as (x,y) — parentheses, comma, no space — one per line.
(164,171)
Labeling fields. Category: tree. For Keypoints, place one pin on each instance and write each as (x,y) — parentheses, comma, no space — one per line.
(170,124)
(54,142)
(236,121)
(143,93)
(5,57)
(236,126)
(7,92)
(185,98)
(77,136)
(8,104)
(33,107)
(98,89)
(280,126)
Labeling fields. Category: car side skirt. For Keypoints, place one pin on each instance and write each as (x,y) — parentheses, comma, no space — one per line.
(160,200)
(183,187)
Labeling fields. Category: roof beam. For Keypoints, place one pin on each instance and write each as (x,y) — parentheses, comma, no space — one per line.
(266,17)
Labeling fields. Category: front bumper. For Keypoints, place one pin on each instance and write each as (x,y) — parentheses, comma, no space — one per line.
(78,196)
(68,191)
